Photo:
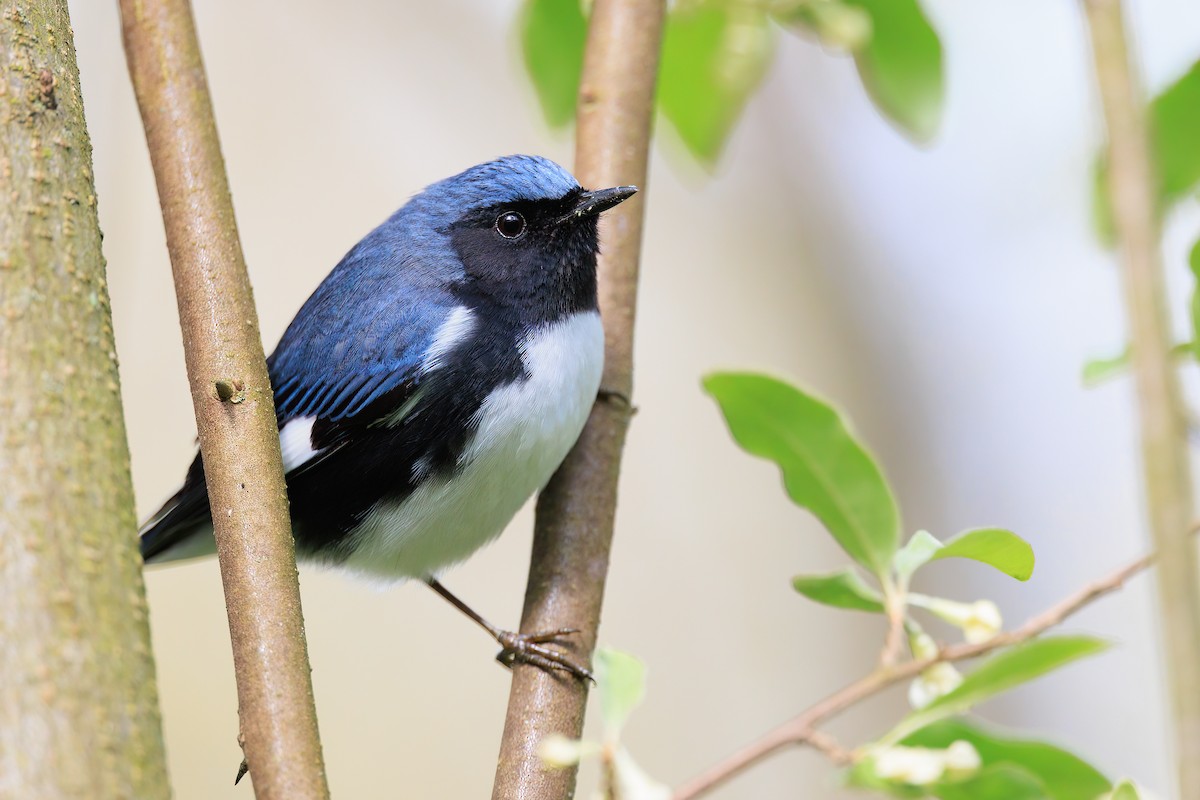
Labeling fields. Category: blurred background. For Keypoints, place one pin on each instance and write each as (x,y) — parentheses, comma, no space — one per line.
(945,298)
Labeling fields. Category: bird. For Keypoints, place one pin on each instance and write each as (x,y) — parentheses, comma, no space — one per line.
(433,382)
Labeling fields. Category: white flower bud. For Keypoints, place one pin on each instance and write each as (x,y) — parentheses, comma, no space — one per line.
(560,752)
(918,766)
(931,684)
(922,645)
(922,766)
(962,758)
(980,621)
(632,783)
(983,623)
(845,27)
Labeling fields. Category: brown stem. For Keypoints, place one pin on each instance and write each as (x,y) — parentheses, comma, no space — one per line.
(802,729)
(238,434)
(893,642)
(575,512)
(79,711)
(1162,416)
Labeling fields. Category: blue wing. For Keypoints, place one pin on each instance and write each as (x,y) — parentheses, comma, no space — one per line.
(363,335)
(355,350)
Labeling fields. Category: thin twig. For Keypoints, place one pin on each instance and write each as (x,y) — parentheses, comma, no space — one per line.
(1162,419)
(893,642)
(825,744)
(802,729)
(573,532)
(235,413)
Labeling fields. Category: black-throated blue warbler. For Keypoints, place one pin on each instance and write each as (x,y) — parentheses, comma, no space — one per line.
(433,381)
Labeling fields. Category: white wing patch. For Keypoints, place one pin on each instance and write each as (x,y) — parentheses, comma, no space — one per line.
(458,326)
(525,429)
(295,442)
(295,438)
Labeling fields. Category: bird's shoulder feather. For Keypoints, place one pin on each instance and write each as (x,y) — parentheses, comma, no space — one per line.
(334,365)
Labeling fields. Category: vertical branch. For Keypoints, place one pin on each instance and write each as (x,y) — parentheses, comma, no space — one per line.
(79,707)
(575,512)
(235,412)
(1161,412)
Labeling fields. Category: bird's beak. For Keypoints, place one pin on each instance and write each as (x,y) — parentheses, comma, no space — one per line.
(598,200)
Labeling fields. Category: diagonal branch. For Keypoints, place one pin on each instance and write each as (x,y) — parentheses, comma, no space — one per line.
(802,729)
(575,512)
(235,412)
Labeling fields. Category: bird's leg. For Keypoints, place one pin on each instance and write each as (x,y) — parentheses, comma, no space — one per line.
(523,648)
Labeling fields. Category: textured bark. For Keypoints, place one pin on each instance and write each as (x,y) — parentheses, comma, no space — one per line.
(79,711)
(235,412)
(1161,413)
(574,527)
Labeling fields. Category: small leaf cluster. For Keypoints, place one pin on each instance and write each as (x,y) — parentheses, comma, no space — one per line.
(716,53)
(1173,123)
(1015,768)
(934,751)
(621,680)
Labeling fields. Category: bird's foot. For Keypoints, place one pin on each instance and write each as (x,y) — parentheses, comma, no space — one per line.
(521,648)
(529,648)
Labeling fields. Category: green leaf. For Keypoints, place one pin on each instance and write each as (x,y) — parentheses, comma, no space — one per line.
(1174,131)
(997,782)
(1063,775)
(1174,128)
(1194,263)
(714,56)
(1006,670)
(824,468)
(552,38)
(622,682)
(843,589)
(836,24)
(995,547)
(901,65)
(896,49)
(1098,370)
(1125,790)
(1102,221)
(862,775)
(1003,781)
(1101,369)
(916,551)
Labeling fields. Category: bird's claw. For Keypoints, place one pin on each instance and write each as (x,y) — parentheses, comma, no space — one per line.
(528,648)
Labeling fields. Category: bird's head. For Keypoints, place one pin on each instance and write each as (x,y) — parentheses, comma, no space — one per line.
(523,229)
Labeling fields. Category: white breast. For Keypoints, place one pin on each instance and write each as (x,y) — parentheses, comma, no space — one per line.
(525,430)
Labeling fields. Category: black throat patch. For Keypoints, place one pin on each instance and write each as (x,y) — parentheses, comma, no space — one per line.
(546,273)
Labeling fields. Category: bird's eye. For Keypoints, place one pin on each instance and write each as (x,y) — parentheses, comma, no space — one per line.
(510,224)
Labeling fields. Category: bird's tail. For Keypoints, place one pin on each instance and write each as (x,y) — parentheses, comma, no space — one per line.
(182,528)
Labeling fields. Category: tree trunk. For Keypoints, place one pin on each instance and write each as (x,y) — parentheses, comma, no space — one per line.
(79,711)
